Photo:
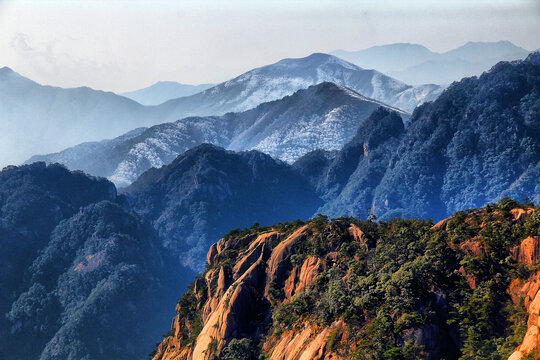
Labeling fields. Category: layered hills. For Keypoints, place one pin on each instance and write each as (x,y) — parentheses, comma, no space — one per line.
(415,64)
(324,116)
(479,141)
(44,119)
(90,273)
(342,289)
(476,143)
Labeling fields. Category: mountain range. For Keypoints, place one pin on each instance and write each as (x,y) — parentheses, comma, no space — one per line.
(42,119)
(283,78)
(90,273)
(473,145)
(162,91)
(37,118)
(415,64)
(479,141)
(324,116)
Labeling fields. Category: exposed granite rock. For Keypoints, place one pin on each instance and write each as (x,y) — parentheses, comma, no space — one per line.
(251,278)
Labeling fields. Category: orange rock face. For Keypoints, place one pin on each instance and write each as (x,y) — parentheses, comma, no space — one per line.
(441,224)
(520,214)
(302,277)
(528,252)
(529,290)
(309,343)
(248,276)
(231,296)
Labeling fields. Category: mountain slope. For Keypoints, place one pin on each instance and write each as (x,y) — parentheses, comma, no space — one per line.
(415,64)
(350,289)
(162,91)
(347,179)
(43,119)
(479,141)
(476,143)
(324,116)
(38,119)
(283,78)
(73,264)
(208,190)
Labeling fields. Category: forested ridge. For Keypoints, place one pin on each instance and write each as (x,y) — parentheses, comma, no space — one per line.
(359,289)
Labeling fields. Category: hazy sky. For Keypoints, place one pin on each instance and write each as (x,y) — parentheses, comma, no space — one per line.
(125,45)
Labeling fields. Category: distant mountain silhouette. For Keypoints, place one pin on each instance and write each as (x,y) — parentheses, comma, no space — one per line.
(415,64)
(324,116)
(162,91)
(42,119)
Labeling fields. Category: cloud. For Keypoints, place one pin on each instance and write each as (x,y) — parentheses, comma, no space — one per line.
(125,45)
(20,43)
(48,63)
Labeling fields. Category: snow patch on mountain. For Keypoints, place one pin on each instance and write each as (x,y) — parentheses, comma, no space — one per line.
(309,133)
(418,95)
(324,116)
(272,82)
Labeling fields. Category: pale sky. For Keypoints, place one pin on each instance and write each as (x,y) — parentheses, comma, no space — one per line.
(124,45)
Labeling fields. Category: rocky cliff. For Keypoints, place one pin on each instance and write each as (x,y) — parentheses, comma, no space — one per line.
(346,288)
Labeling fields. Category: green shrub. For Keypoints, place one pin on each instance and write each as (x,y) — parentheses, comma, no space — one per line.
(240,349)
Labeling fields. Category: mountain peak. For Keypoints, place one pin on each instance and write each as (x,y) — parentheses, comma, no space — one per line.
(7,72)
(6,69)
(482,51)
(381,125)
(200,150)
(329,89)
(314,60)
(319,55)
(533,57)
(325,86)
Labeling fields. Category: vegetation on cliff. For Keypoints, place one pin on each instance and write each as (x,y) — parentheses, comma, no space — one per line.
(359,289)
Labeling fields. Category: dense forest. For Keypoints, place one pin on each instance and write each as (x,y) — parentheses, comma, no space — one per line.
(82,277)
(476,143)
